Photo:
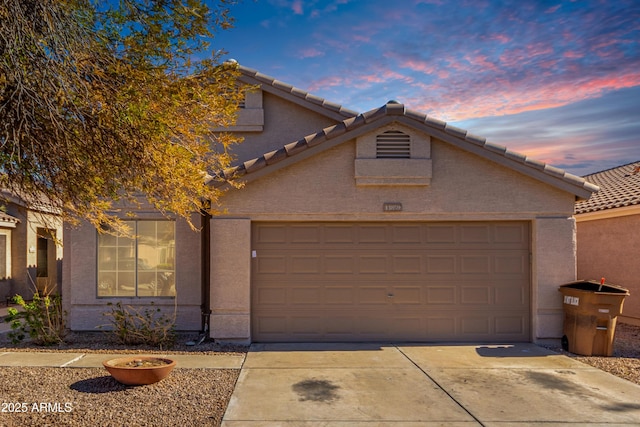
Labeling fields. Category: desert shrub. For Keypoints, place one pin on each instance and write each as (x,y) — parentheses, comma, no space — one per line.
(148,325)
(42,319)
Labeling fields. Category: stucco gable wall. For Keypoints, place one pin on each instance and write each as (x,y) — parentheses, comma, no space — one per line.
(609,248)
(284,122)
(462,185)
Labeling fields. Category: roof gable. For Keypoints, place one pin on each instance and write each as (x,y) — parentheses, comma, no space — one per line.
(619,187)
(297,96)
(392,112)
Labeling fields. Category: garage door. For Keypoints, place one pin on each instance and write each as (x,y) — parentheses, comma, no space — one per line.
(391,282)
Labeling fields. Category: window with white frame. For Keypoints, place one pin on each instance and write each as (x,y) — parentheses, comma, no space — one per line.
(140,264)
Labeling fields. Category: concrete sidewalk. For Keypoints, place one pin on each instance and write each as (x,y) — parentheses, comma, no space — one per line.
(94,360)
(393,385)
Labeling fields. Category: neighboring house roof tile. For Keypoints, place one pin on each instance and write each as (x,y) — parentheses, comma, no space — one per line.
(392,112)
(8,220)
(619,187)
(293,94)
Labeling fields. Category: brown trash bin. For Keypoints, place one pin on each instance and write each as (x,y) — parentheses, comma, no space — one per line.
(591,310)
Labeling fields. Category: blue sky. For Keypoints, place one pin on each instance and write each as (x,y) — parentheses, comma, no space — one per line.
(556,80)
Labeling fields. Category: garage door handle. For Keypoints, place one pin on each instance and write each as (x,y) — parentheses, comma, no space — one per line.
(390,295)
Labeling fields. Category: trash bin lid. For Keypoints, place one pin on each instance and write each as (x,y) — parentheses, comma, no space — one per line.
(593,286)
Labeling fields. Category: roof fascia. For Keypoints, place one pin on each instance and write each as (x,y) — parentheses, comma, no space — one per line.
(498,154)
(608,213)
(301,98)
(312,151)
(457,137)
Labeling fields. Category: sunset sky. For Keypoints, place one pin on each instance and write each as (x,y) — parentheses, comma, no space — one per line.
(556,80)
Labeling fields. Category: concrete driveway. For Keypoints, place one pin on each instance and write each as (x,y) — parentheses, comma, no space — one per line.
(425,385)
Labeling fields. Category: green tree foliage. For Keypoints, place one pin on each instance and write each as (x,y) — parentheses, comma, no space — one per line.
(106,103)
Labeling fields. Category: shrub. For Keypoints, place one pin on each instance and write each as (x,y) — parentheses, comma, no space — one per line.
(42,319)
(132,326)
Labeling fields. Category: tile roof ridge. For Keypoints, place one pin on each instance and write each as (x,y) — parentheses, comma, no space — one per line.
(295,91)
(612,168)
(393,111)
(515,156)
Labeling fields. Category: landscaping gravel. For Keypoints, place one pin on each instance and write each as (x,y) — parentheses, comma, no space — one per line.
(36,396)
(188,397)
(90,397)
(625,362)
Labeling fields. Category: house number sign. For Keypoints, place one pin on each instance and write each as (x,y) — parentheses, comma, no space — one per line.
(392,207)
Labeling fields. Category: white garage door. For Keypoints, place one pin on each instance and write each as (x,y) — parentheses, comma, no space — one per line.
(463,281)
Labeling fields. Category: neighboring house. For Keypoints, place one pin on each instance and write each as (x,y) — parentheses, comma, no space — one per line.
(30,249)
(609,234)
(387,225)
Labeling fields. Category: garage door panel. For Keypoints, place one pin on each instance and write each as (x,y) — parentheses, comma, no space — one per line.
(369,282)
(475,295)
(271,265)
(441,264)
(511,264)
(340,264)
(340,295)
(440,234)
(474,327)
(368,234)
(509,325)
(441,295)
(475,234)
(410,234)
(475,264)
(373,264)
(406,264)
(304,234)
(406,295)
(305,264)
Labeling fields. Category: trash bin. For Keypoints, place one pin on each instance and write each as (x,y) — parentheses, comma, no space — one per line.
(591,310)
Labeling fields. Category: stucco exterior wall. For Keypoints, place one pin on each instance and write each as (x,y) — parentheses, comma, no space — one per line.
(80,279)
(284,122)
(230,272)
(463,187)
(24,241)
(609,248)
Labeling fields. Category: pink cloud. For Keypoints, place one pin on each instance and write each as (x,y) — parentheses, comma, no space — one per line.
(572,54)
(552,9)
(481,61)
(504,98)
(310,53)
(296,6)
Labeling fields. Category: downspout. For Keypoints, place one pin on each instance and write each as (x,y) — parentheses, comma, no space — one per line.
(205,251)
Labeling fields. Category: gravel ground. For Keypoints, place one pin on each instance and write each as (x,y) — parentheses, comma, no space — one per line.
(188,397)
(625,362)
(88,397)
(91,397)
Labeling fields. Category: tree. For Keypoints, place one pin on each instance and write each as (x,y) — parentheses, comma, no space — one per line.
(107,103)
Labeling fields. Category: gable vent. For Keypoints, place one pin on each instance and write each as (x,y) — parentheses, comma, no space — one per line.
(393,144)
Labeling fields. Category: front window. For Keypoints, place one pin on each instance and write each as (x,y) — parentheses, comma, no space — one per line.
(141,264)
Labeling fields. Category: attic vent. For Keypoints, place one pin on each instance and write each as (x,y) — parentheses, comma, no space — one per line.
(393,144)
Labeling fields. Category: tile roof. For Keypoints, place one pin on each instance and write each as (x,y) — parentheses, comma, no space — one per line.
(7,218)
(294,94)
(619,187)
(393,112)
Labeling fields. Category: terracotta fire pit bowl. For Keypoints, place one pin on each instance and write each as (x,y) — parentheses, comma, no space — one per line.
(139,370)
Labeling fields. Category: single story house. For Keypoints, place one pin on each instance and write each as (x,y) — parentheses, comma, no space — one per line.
(30,248)
(382,226)
(608,234)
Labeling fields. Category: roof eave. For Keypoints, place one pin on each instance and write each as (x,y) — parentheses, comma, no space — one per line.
(294,95)
(351,128)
